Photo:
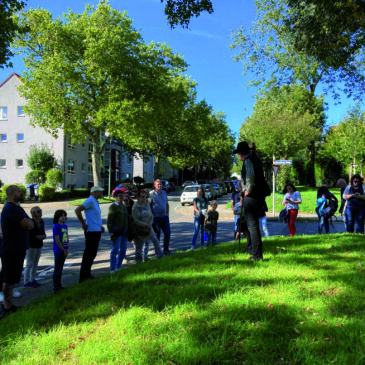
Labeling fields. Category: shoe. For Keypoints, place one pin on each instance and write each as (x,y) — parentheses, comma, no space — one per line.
(5,312)
(168,252)
(16,294)
(36,283)
(29,285)
(157,255)
(252,258)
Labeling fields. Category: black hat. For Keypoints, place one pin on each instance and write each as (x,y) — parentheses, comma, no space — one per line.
(242,147)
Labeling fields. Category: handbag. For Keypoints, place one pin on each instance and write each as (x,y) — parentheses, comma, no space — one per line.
(142,231)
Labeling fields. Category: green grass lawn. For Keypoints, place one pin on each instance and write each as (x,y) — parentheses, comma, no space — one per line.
(304,305)
(103,200)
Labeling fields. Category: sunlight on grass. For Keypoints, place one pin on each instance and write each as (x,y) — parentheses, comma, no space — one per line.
(304,305)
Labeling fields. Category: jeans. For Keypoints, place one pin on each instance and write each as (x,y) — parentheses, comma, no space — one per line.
(212,238)
(59,260)
(198,226)
(119,248)
(263,224)
(252,208)
(92,240)
(323,222)
(32,259)
(236,217)
(292,217)
(140,248)
(355,215)
(163,223)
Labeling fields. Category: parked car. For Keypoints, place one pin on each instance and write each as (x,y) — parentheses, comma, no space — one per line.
(126,188)
(171,186)
(204,182)
(210,191)
(187,183)
(228,186)
(232,185)
(188,195)
(218,190)
(165,185)
(224,188)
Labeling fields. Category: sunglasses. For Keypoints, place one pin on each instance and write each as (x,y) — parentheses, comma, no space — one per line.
(356,181)
(143,195)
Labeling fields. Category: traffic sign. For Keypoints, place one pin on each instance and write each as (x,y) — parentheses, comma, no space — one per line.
(283,162)
(276,170)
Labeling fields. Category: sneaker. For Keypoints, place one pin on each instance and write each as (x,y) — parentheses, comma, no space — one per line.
(16,294)
(192,248)
(168,252)
(36,283)
(157,255)
(29,285)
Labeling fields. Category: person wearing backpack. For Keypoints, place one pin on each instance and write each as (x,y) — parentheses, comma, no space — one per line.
(324,215)
(255,189)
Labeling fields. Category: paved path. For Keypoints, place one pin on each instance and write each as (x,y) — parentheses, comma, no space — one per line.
(182,230)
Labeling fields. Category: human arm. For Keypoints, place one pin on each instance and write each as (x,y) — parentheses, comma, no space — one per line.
(26,224)
(250,176)
(78,212)
(196,210)
(59,244)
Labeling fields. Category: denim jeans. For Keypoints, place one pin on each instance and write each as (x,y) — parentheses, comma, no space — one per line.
(355,215)
(59,260)
(252,208)
(119,248)
(323,222)
(263,225)
(212,238)
(198,226)
(163,223)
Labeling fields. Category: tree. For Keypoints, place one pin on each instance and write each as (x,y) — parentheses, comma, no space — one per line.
(8,28)
(345,141)
(91,74)
(41,158)
(54,177)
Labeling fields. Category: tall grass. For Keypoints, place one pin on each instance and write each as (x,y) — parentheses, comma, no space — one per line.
(303,305)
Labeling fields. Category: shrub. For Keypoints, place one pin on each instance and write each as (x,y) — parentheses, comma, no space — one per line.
(3,196)
(46,193)
(54,177)
(71,194)
(138,180)
(35,177)
(41,158)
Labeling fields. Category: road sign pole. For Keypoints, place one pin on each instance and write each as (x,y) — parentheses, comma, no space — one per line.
(273,188)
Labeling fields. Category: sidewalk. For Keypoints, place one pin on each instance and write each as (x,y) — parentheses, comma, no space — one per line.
(182,231)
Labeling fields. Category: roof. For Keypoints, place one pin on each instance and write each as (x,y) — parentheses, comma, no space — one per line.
(6,80)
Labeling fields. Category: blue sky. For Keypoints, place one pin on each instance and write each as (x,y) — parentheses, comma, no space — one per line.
(205,47)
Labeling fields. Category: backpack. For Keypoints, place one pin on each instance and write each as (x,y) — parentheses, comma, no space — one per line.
(331,208)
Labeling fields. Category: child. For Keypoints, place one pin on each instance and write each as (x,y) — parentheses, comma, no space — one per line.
(60,247)
(211,223)
(241,225)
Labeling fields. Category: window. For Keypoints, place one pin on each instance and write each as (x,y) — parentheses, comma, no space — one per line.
(20,137)
(83,167)
(3,112)
(117,175)
(91,149)
(71,145)
(2,164)
(19,164)
(71,166)
(117,157)
(3,138)
(107,158)
(90,177)
(20,111)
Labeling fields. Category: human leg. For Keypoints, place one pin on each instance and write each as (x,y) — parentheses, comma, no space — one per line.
(166,229)
(114,252)
(196,231)
(350,219)
(138,251)
(59,260)
(359,219)
(293,213)
(209,236)
(91,248)
(29,262)
(156,245)
(146,248)
(122,251)
(263,224)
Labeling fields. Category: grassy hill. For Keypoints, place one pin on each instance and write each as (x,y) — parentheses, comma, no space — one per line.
(303,305)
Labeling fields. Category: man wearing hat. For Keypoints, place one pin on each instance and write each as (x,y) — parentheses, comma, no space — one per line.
(255,189)
(93,228)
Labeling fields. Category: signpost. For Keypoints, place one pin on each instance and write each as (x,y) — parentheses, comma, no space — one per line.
(276,164)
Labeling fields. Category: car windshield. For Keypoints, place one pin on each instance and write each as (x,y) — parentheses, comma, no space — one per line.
(123,186)
(191,188)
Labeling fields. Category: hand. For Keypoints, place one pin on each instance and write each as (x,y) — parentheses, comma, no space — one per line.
(112,237)
(246,192)
(84,226)
(102,229)
(65,252)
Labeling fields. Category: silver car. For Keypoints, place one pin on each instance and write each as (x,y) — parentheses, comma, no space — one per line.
(210,192)
(189,194)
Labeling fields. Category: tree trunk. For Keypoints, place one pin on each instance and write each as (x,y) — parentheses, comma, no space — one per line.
(156,172)
(96,160)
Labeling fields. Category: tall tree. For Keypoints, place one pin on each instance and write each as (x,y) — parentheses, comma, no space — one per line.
(8,28)
(91,74)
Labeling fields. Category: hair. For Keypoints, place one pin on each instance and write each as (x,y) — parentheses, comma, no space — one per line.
(33,211)
(213,202)
(356,176)
(157,181)
(339,181)
(117,192)
(58,214)
(140,192)
(202,189)
(327,181)
(285,190)
(10,190)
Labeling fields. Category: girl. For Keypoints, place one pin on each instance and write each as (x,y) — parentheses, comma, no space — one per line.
(211,223)
(60,247)
(292,199)
(36,237)
(200,206)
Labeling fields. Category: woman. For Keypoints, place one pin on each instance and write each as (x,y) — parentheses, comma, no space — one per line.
(36,237)
(292,199)
(117,224)
(200,207)
(128,202)
(355,206)
(142,216)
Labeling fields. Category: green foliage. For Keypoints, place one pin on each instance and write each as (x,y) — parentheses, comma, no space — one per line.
(46,193)
(41,158)
(8,28)
(138,180)
(71,194)
(54,177)
(3,196)
(303,305)
(35,177)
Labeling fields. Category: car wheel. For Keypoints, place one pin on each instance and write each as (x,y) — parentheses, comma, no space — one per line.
(182,204)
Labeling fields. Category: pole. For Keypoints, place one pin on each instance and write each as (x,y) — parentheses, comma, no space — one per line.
(273,187)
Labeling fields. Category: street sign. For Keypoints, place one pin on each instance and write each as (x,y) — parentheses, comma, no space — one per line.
(283,162)
(276,170)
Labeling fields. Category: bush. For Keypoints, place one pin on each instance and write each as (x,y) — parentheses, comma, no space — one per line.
(54,177)
(3,196)
(46,193)
(138,180)
(35,177)
(71,194)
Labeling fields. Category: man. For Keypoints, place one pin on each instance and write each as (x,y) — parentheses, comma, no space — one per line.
(15,225)
(235,198)
(93,229)
(255,190)
(160,211)
(322,195)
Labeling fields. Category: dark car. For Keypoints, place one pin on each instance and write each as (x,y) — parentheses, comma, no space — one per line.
(126,188)
(171,187)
